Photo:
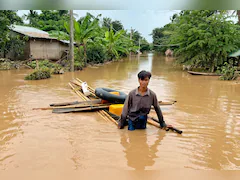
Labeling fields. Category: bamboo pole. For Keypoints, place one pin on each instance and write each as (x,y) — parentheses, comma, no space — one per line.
(103,116)
(80,86)
(78,92)
(110,118)
(150,121)
(100,112)
(66,110)
(89,87)
(73,106)
(97,101)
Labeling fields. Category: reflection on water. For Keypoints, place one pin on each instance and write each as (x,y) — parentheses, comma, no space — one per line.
(139,153)
(207,110)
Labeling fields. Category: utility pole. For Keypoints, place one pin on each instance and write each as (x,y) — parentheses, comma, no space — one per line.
(131,33)
(139,44)
(71,42)
(238,14)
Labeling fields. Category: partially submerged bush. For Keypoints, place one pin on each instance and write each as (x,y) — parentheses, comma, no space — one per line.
(46,64)
(5,66)
(228,72)
(78,66)
(58,69)
(41,64)
(43,73)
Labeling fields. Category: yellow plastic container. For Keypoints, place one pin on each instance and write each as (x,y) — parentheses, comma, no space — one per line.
(116,109)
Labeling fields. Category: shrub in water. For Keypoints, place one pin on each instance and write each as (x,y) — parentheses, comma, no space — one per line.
(5,66)
(43,73)
(57,68)
(228,72)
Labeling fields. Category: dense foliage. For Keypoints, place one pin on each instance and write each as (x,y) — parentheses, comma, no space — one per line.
(7,41)
(200,38)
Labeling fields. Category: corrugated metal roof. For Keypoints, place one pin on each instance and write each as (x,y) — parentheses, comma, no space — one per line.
(64,41)
(235,54)
(34,32)
(67,42)
(30,31)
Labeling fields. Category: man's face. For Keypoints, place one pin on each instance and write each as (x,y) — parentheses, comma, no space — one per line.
(144,83)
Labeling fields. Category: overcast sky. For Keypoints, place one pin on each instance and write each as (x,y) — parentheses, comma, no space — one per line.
(144,21)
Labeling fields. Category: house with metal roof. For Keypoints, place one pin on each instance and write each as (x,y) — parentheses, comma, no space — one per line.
(39,44)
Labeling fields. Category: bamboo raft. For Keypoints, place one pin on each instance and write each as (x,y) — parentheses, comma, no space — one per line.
(90,103)
(102,113)
(105,114)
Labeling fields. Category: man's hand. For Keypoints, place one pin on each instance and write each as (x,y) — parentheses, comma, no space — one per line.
(163,125)
(120,126)
(168,126)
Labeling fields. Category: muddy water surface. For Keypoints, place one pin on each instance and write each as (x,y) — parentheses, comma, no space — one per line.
(207,110)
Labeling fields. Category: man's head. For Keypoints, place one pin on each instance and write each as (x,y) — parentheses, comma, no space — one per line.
(143,78)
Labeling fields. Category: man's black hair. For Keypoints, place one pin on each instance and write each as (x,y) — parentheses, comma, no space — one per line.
(143,74)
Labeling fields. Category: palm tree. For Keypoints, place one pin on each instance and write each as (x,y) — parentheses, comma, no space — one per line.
(107,22)
(32,17)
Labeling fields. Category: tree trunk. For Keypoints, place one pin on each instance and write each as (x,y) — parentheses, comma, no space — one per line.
(238,14)
(71,42)
(37,65)
(31,17)
(4,53)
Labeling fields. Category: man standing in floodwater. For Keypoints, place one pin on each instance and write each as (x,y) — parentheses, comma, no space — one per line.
(138,105)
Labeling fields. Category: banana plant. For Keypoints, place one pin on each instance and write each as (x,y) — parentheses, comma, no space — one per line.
(84,32)
(115,43)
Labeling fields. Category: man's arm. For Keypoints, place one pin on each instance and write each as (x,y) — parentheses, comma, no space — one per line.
(158,111)
(124,112)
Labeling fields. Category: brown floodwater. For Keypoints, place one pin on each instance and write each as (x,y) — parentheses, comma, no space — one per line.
(207,110)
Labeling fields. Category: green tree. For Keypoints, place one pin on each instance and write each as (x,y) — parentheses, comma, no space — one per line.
(32,17)
(15,45)
(137,38)
(84,32)
(107,22)
(205,37)
(62,13)
(116,25)
(7,18)
(144,45)
(115,44)
(48,20)
(160,37)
